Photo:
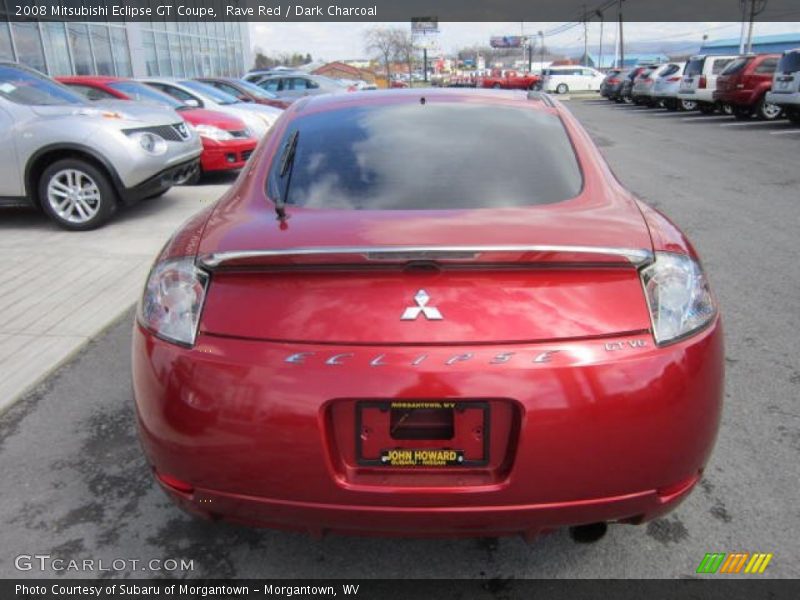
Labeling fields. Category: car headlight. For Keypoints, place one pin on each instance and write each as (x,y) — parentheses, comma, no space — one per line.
(678,296)
(213,133)
(173,299)
(150,142)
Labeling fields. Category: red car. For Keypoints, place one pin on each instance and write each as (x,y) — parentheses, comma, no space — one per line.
(511,81)
(348,341)
(227,144)
(744,85)
(245,91)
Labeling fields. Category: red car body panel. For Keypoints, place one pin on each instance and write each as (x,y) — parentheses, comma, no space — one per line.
(588,419)
(511,81)
(217,155)
(746,87)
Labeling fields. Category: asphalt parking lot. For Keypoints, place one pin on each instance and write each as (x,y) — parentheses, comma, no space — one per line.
(76,486)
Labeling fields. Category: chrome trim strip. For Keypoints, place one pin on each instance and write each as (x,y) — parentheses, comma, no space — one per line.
(636,256)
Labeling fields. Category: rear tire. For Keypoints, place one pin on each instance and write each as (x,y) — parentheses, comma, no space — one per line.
(687,105)
(562,88)
(766,111)
(76,195)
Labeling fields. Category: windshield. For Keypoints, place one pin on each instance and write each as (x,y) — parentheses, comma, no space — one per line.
(423,156)
(736,66)
(255,90)
(789,63)
(27,87)
(139,91)
(211,92)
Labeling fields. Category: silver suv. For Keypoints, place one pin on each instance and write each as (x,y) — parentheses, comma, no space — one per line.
(79,161)
(786,85)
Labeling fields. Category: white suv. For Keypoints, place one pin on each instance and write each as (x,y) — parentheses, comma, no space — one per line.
(786,85)
(571,79)
(700,80)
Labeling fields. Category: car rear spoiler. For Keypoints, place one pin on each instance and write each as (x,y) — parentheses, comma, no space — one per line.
(330,256)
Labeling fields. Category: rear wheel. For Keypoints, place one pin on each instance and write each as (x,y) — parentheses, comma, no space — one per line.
(562,88)
(767,111)
(726,109)
(76,195)
(687,105)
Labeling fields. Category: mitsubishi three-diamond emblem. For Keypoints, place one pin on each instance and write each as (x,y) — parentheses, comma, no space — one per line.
(412,312)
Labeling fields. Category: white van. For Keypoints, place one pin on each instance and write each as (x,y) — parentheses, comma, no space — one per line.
(572,78)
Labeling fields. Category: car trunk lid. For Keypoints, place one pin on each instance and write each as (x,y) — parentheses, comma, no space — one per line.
(564,271)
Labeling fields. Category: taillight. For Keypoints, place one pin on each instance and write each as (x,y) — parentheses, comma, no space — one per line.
(702,82)
(613,80)
(678,296)
(173,299)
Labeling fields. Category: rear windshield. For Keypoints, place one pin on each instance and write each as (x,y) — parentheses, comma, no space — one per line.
(440,155)
(669,70)
(790,63)
(694,67)
(736,66)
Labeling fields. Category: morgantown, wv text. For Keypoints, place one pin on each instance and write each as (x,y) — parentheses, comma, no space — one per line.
(299,10)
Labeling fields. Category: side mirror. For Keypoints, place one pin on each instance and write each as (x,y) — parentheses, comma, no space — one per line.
(192,103)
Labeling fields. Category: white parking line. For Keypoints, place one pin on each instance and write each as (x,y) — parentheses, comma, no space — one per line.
(751,123)
(706,118)
(784,132)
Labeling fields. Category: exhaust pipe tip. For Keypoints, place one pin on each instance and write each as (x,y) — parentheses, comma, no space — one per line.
(588,534)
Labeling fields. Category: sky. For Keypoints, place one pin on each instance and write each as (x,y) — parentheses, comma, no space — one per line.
(341,41)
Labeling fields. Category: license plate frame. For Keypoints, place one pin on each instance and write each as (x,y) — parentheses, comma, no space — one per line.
(460,457)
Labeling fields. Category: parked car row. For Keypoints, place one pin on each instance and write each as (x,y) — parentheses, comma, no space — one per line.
(83,146)
(763,85)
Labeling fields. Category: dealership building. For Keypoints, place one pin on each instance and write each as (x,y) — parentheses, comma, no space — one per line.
(126,49)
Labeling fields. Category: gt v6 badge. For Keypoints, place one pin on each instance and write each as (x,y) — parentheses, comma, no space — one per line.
(412,312)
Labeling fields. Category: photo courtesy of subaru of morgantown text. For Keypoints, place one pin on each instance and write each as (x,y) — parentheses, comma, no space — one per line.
(438,295)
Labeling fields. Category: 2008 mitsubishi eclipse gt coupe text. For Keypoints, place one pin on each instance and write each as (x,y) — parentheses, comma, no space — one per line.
(428,313)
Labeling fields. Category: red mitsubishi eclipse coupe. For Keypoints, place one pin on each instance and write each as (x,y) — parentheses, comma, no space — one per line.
(428,313)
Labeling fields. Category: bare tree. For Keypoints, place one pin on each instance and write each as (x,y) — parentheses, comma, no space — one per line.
(404,48)
(381,42)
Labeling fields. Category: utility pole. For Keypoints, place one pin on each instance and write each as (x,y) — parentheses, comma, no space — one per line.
(599,64)
(744,20)
(541,64)
(530,41)
(585,37)
(621,39)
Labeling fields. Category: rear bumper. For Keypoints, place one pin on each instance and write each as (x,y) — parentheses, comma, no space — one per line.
(528,520)
(226,156)
(737,97)
(608,430)
(791,100)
